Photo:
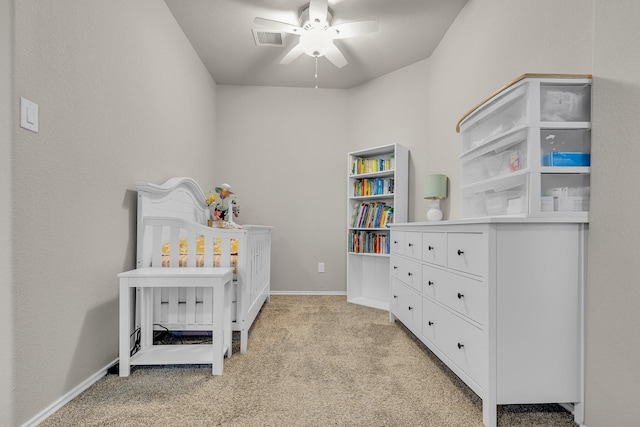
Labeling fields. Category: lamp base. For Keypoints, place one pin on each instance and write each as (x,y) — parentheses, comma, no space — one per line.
(434,213)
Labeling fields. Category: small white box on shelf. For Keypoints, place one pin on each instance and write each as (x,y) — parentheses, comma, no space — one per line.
(546,204)
(571,204)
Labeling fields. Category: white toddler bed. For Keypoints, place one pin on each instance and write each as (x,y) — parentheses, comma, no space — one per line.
(174,215)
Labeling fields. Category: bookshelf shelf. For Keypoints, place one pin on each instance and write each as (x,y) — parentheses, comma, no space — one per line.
(369,254)
(377,196)
(374,197)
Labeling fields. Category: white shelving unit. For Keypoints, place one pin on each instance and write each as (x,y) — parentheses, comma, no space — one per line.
(526,150)
(377,185)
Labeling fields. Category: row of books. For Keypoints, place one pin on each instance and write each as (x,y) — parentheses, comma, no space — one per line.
(368,242)
(360,165)
(371,215)
(373,186)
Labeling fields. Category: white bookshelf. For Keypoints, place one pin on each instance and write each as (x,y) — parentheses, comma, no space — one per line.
(375,188)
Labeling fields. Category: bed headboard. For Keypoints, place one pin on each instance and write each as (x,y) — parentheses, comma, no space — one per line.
(180,198)
(177,198)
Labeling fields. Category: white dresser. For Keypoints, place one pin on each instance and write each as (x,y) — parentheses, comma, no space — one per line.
(500,302)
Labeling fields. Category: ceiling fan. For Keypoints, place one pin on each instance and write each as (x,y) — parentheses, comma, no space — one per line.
(317,34)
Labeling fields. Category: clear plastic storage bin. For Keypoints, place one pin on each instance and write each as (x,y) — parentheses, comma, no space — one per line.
(565,192)
(565,103)
(565,147)
(503,156)
(502,115)
(506,197)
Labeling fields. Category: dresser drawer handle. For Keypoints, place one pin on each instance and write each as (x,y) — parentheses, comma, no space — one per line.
(410,273)
(395,267)
(395,297)
(395,242)
(430,323)
(460,296)
(410,245)
(410,308)
(430,283)
(431,248)
(460,345)
(460,252)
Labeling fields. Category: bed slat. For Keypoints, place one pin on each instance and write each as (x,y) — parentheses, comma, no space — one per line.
(157,246)
(191,249)
(174,247)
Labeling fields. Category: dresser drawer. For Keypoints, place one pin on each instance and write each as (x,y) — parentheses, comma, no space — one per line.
(407,271)
(407,305)
(394,266)
(433,281)
(467,252)
(431,320)
(466,296)
(413,245)
(397,242)
(395,295)
(463,343)
(434,248)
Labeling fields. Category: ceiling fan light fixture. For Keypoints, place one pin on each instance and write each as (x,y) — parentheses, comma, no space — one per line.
(316,42)
(317,34)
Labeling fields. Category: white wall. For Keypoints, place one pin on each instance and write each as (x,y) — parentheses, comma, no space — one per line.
(122,98)
(6,238)
(284,152)
(394,109)
(613,318)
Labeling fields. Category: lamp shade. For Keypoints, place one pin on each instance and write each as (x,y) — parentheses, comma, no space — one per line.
(435,187)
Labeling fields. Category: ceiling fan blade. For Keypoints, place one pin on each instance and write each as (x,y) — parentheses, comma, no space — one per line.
(318,11)
(292,54)
(334,55)
(352,29)
(278,26)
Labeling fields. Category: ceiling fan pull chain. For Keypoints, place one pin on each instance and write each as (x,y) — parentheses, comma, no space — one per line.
(316,75)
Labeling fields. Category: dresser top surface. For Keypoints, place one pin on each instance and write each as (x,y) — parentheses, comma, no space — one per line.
(494,220)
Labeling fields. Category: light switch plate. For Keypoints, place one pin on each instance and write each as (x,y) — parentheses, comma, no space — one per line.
(28,115)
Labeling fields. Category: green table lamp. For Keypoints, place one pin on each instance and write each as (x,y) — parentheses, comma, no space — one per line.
(435,188)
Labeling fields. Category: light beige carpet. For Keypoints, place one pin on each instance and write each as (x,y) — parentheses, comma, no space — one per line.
(311,361)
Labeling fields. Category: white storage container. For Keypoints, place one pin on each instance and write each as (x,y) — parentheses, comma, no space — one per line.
(565,102)
(502,114)
(577,141)
(496,198)
(525,142)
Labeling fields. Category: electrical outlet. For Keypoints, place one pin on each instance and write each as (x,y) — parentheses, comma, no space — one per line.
(321,267)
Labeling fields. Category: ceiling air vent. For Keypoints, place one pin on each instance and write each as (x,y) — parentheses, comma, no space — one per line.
(268,38)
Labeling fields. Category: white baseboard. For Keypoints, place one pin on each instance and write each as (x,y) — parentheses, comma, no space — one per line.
(343,293)
(51,409)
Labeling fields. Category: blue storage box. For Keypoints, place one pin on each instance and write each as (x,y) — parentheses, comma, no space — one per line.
(558,158)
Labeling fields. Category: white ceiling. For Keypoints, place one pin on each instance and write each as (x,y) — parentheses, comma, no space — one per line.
(221,33)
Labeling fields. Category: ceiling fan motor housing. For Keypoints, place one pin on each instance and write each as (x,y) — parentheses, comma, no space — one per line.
(315,42)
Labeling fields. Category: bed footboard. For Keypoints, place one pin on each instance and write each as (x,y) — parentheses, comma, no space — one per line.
(254,280)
